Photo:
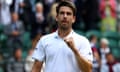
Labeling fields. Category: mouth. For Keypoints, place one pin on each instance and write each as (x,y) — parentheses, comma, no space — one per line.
(64,21)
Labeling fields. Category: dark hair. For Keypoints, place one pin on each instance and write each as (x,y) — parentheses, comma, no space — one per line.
(109,53)
(16,49)
(92,36)
(68,4)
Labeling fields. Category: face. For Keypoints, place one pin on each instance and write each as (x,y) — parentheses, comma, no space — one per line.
(39,8)
(110,58)
(103,45)
(18,53)
(94,39)
(14,17)
(65,18)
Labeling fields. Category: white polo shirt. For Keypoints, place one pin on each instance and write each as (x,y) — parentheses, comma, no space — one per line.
(58,56)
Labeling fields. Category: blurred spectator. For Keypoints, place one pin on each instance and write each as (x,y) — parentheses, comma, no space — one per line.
(93,41)
(29,61)
(52,26)
(26,14)
(14,31)
(104,49)
(112,65)
(16,63)
(39,16)
(38,27)
(47,4)
(108,15)
(96,57)
(4,11)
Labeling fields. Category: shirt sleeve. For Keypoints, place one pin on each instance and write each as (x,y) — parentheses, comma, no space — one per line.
(39,53)
(85,50)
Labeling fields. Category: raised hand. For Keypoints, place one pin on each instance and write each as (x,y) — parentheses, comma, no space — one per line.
(70,43)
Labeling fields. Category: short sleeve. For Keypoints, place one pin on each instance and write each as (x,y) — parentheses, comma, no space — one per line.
(39,53)
(86,50)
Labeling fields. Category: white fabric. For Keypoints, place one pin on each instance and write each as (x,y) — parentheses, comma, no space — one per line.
(29,63)
(105,68)
(58,56)
(5,11)
(103,53)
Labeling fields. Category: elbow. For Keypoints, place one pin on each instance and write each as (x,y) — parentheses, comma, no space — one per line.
(90,67)
(87,68)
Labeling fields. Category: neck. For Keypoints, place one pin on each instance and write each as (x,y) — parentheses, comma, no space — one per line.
(63,33)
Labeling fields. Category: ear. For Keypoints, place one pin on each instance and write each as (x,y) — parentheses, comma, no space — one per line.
(56,18)
(74,18)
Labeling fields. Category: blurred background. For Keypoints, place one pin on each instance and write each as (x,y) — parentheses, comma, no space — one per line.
(23,22)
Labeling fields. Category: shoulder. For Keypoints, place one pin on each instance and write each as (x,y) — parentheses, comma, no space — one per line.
(80,37)
(118,64)
(48,37)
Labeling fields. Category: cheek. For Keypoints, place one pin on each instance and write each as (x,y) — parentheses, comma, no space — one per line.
(73,20)
(59,18)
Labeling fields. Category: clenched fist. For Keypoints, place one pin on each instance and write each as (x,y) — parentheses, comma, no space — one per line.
(70,43)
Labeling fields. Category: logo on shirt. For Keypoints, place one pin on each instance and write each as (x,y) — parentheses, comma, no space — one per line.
(90,53)
(36,48)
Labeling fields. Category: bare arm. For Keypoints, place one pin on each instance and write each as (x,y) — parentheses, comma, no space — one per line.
(37,66)
(84,64)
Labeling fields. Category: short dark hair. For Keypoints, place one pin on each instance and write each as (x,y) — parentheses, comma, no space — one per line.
(92,36)
(109,53)
(68,4)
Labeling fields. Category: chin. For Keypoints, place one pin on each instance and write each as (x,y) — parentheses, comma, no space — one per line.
(64,28)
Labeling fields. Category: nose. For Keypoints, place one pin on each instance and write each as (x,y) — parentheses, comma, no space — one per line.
(65,15)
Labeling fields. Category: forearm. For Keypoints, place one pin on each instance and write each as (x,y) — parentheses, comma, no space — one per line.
(37,66)
(84,65)
(35,69)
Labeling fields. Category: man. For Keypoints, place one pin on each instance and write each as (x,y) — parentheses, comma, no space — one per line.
(104,49)
(112,65)
(14,31)
(63,50)
(38,25)
(16,63)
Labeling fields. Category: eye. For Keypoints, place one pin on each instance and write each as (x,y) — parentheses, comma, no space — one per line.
(61,13)
(68,13)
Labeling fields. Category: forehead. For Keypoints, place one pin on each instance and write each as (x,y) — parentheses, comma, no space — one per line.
(65,8)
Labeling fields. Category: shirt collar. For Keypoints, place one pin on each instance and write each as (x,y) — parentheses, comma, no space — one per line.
(69,35)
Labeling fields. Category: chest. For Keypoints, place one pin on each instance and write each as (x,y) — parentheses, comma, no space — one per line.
(18,65)
(58,48)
